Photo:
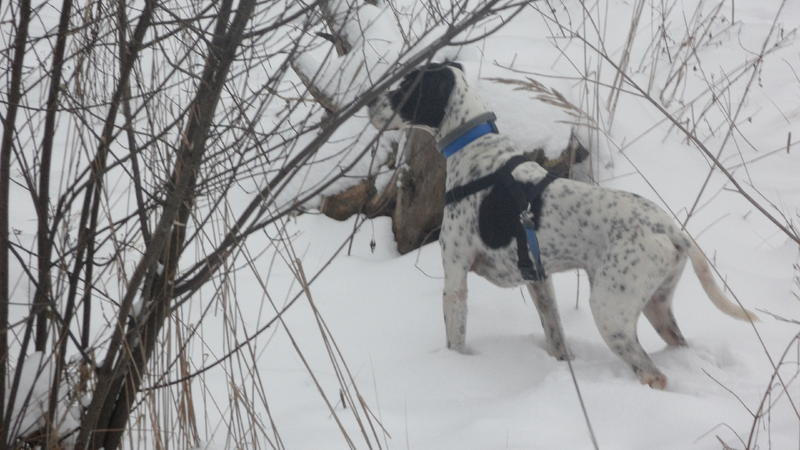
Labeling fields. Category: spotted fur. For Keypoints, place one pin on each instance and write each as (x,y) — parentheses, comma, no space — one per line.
(631,250)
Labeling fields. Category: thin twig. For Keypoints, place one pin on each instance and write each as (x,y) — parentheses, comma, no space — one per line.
(583,405)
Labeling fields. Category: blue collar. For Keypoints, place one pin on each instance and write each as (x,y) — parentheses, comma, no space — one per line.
(466,133)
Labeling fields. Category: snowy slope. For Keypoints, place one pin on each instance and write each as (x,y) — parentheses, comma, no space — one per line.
(384,310)
(385,313)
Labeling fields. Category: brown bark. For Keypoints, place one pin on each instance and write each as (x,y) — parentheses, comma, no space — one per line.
(125,379)
(14,96)
(420,193)
(43,236)
(362,198)
(42,203)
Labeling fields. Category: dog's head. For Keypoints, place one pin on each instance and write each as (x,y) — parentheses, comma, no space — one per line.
(419,101)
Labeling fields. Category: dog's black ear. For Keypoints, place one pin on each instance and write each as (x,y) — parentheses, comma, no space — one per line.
(445,86)
(423,95)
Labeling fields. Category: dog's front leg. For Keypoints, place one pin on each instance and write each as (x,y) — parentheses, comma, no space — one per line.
(544,299)
(455,307)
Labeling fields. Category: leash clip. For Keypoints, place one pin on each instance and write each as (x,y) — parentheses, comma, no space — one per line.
(526,218)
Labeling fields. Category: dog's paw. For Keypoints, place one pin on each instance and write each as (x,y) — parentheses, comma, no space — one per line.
(460,348)
(655,380)
(560,353)
(565,356)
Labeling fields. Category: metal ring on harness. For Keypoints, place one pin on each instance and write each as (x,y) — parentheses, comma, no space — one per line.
(510,210)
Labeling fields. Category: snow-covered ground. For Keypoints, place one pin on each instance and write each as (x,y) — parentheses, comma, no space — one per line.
(384,310)
(385,313)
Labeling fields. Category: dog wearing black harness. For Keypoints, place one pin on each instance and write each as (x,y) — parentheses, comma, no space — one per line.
(510,221)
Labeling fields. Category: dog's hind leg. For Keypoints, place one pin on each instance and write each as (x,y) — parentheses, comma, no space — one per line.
(454,306)
(618,328)
(617,300)
(659,310)
(544,299)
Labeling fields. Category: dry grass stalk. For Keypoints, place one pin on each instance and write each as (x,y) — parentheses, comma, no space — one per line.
(616,86)
(551,96)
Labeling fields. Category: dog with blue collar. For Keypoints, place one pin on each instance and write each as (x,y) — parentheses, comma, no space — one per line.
(502,208)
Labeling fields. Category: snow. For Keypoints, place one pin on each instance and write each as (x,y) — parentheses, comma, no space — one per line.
(384,310)
(33,396)
(385,313)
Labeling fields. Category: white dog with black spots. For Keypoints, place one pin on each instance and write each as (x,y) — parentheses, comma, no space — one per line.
(632,251)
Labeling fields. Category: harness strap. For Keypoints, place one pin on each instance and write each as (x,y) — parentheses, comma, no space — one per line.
(527,200)
(526,244)
(535,195)
(459,193)
(530,220)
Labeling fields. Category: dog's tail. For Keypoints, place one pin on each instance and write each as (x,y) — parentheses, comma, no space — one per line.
(718,298)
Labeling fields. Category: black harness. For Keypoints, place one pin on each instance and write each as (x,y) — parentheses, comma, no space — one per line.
(511,209)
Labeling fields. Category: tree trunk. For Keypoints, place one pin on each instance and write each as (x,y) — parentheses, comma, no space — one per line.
(420,194)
